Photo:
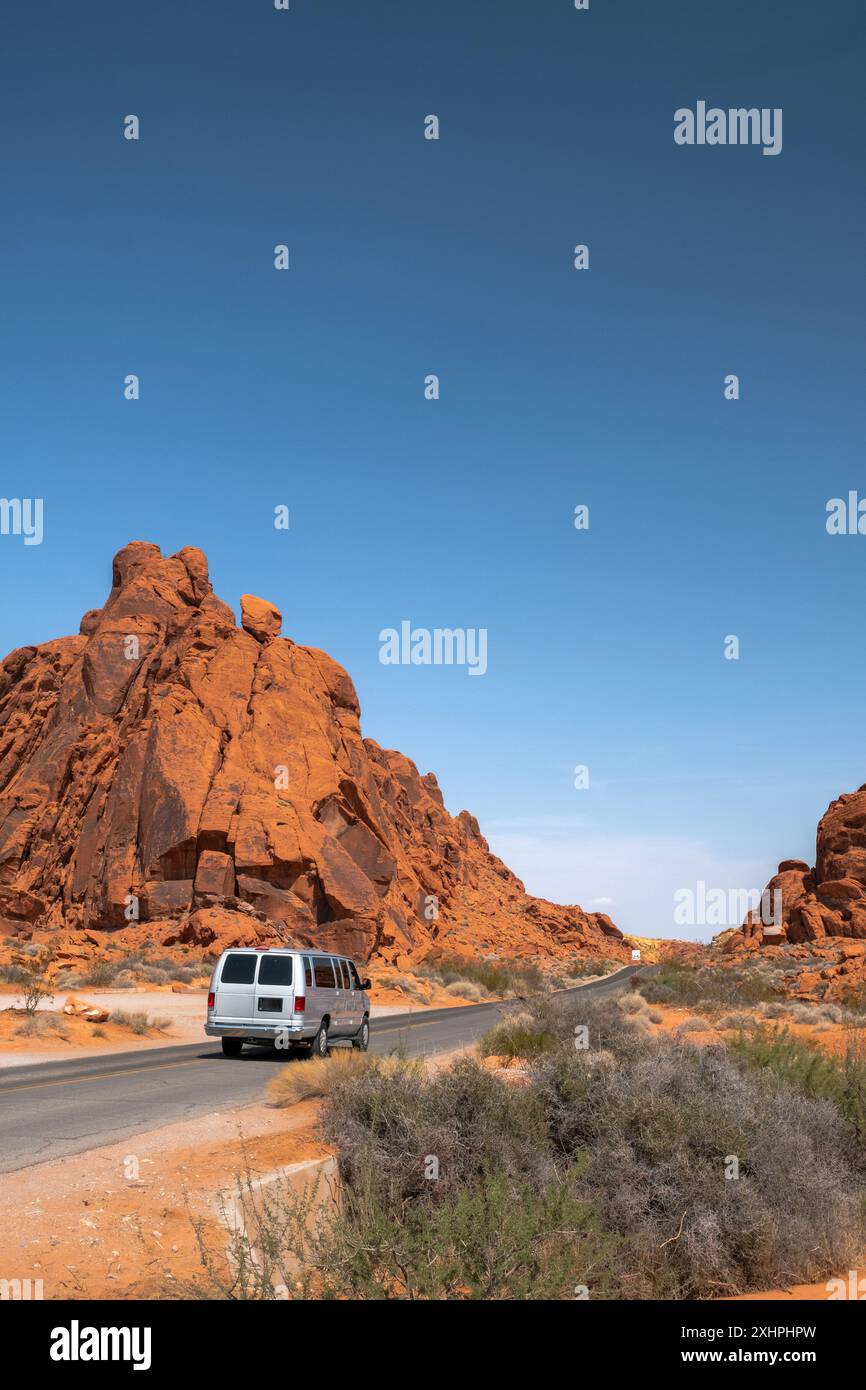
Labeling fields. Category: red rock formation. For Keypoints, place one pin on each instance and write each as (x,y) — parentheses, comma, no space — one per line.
(828,900)
(169,774)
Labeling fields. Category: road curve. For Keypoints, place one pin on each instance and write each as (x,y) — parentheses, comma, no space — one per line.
(51,1109)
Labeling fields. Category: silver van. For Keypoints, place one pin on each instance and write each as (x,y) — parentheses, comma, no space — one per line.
(290,998)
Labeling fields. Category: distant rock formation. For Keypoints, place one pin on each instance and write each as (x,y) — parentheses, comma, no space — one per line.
(169,776)
(828,900)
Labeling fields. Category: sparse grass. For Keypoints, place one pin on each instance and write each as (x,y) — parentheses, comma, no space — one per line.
(40,1025)
(135,968)
(139,1023)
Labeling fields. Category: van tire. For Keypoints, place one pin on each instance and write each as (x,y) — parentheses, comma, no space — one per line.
(232,1047)
(361,1040)
(320,1046)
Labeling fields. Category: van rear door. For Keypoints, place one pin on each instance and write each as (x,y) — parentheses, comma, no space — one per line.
(235,991)
(275,989)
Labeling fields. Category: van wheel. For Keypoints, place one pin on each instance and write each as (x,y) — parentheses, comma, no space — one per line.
(320,1042)
(361,1040)
(232,1047)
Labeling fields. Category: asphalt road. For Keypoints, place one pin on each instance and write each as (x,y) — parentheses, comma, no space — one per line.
(51,1109)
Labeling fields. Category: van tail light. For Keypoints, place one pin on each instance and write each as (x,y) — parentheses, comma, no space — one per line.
(300,1004)
(210,1000)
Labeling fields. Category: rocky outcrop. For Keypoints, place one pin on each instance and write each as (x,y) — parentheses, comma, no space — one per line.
(166,775)
(811,904)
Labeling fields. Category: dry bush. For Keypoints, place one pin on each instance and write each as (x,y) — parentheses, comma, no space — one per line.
(632,1004)
(305,1078)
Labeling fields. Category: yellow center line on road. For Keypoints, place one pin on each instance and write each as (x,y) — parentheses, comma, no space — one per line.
(97,1076)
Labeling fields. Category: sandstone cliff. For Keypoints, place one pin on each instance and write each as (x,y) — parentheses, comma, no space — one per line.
(167,775)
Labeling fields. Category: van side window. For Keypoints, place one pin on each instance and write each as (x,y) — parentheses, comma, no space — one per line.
(308,971)
(356,983)
(344,972)
(275,970)
(324,973)
(239,969)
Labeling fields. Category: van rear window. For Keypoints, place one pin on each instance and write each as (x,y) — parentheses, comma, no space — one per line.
(324,973)
(275,970)
(239,969)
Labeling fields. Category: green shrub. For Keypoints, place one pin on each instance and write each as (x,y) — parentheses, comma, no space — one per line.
(516,1036)
(811,1070)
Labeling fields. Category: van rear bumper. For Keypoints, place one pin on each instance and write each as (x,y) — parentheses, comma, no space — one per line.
(267,1032)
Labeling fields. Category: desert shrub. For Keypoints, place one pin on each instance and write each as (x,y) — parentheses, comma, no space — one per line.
(657,1132)
(501,1239)
(38,1025)
(136,1023)
(149,975)
(15,973)
(99,974)
(711,986)
(579,968)
(738,1020)
(811,1071)
(492,977)
(408,985)
(632,1004)
(35,985)
(606,1169)
(466,989)
(853,998)
(303,1078)
(776,1010)
(516,1036)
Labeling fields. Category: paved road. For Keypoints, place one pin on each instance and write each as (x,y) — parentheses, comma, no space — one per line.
(52,1109)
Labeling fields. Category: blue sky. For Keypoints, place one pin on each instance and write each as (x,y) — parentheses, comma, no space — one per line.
(558,387)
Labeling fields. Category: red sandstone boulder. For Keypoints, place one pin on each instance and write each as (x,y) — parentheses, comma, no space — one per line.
(260,618)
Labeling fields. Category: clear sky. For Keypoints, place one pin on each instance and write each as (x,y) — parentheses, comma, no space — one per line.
(558,387)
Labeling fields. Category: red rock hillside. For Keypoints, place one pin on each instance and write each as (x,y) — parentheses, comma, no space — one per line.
(823,909)
(169,776)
